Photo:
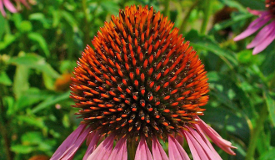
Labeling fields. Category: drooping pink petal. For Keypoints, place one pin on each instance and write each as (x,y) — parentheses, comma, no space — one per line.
(9,6)
(215,137)
(103,151)
(202,135)
(158,152)
(68,148)
(92,140)
(176,152)
(120,150)
(143,152)
(261,46)
(2,8)
(196,150)
(255,12)
(254,26)
(201,145)
(262,35)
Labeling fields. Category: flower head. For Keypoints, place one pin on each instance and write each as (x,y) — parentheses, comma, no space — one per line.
(9,5)
(267,34)
(141,83)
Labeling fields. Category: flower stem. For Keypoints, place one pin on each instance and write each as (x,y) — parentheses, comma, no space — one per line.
(166,8)
(3,130)
(131,150)
(86,22)
(207,13)
(184,22)
(255,133)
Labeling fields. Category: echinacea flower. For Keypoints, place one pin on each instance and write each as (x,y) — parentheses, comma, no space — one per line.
(9,5)
(267,33)
(141,84)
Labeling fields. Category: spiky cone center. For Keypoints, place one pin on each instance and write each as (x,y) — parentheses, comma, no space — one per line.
(270,5)
(141,78)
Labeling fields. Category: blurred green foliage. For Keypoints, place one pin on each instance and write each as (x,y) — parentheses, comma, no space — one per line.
(41,45)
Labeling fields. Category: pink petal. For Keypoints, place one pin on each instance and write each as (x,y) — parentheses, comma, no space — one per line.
(68,148)
(158,152)
(176,152)
(215,137)
(263,34)
(260,47)
(92,143)
(9,6)
(120,150)
(209,150)
(2,8)
(143,152)
(200,132)
(103,151)
(196,150)
(254,26)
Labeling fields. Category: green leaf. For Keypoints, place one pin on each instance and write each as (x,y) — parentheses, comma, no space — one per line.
(110,6)
(23,149)
(32,121)
(21,83)
(25,26)
(3,22)
(70,19)
(8,39)
(268,155)
(51,101)
(41,18)
(32,138)
(36,62)
(270,102)
(41,41)
(4,79)
(235,19)
(30,97)
(205,43)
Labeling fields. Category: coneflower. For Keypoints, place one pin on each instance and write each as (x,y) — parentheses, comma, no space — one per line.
(140,84)
(267,34)
(9,5)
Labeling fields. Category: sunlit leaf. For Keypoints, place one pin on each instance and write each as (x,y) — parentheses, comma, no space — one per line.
(4,79)
(41,42)
(270,102)
(36,62)
(51,101)
(205,43)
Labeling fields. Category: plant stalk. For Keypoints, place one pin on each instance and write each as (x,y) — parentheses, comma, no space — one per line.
(3,130)
(207,13)
(255,133)
(185,19)
(167,8)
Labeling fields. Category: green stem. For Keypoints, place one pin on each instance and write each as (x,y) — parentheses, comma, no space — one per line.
(86,22)
(4,131)
(255,133)
(167,8)
(185,19)
(207,13)
(131,150)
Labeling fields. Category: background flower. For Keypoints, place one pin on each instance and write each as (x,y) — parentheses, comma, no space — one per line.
(267,33)
(10,6)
